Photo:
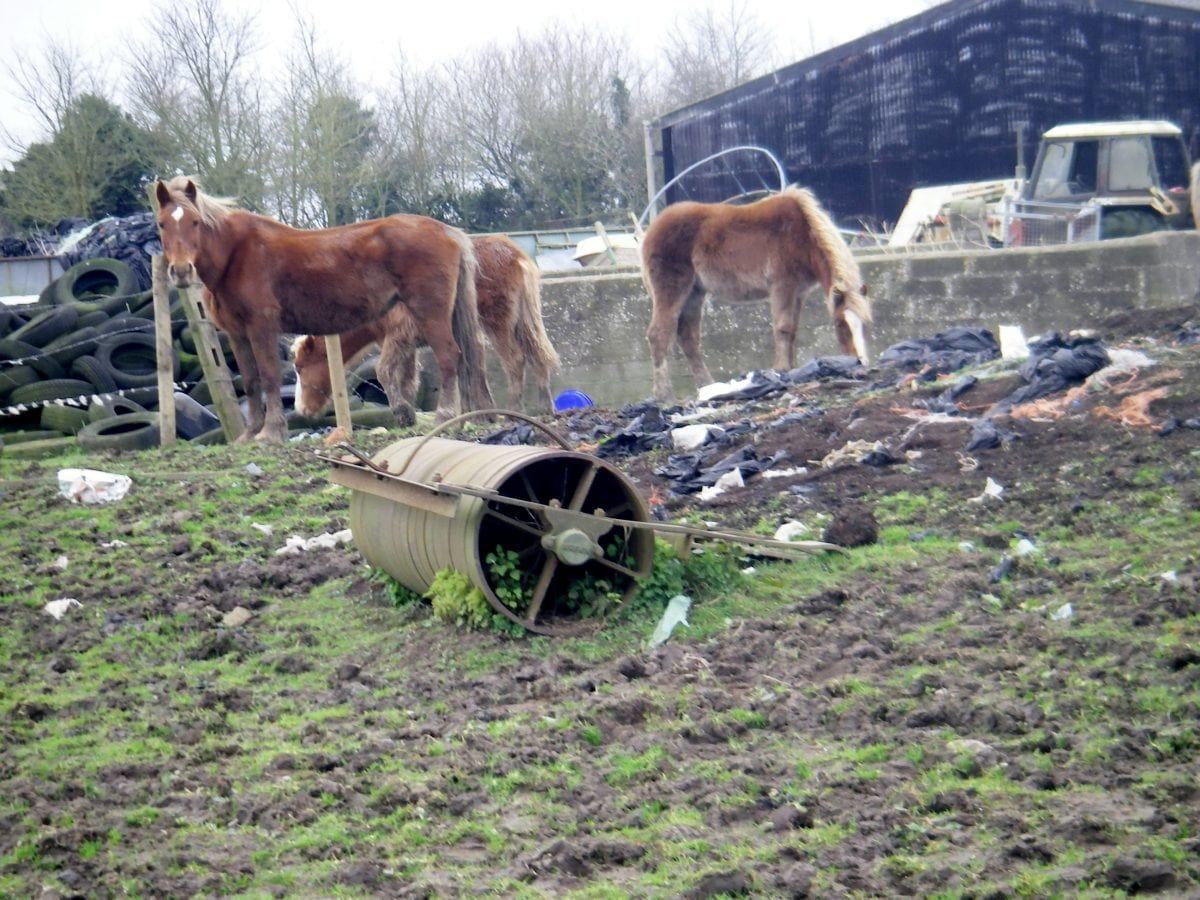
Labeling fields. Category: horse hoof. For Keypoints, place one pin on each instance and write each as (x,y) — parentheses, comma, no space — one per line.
(268,437)
(405,415)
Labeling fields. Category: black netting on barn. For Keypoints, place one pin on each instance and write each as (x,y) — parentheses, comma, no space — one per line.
(938,98)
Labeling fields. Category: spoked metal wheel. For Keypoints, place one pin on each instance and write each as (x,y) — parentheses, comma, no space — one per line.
(569,555)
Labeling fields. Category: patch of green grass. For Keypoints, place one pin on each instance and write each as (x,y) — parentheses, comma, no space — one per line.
(625,768)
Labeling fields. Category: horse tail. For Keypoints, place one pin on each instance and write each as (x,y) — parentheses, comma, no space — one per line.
(530,330)
(474,392)
(836,268)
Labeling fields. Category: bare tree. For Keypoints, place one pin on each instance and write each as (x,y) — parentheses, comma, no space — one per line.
(713,50)
(547,118)
(324,133)
(191,76)
(417,165)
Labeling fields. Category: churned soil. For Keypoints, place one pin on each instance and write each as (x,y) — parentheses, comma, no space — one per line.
(935,722)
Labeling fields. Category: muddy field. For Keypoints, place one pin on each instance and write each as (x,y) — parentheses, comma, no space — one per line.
(986,696)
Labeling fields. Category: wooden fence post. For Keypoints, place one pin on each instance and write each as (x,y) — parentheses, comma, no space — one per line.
(163,351)
(337,384)
(212,361)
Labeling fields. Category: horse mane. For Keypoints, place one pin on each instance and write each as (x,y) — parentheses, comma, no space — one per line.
(211,210)
(845,275)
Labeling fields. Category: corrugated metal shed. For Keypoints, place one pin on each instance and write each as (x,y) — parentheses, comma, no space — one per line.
(937,98)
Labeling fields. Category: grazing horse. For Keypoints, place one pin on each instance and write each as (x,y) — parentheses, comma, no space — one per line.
(777,248)
(263,278)
(510,308)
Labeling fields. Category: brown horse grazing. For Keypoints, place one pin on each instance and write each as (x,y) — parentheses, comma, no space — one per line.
(777,248)
(263,278)
(508,290)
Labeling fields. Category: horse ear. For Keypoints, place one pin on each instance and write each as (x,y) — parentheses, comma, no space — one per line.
(189,191)
(162,194)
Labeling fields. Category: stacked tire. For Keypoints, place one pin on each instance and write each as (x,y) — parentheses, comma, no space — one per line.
(80,365)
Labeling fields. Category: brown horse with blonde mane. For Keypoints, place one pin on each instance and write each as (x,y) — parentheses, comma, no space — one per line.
(508,292)
(263,278)
(777,248)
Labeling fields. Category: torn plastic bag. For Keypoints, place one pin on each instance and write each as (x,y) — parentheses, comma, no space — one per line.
(630,441)
(513,436)
(880,457)
(826,367)
(755,385)
(945,402)
(945,352)
(680,467)
(987,435)
(1056,363)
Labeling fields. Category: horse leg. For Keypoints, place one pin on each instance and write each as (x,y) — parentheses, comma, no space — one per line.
(440,338)
(264,342)
(397,371)
(666,303)
(689,335)
(243,355)
(785,315)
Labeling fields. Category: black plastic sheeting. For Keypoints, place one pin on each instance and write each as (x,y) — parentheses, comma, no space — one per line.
(132,239)
(938,97)
(945,352)
(1055,363)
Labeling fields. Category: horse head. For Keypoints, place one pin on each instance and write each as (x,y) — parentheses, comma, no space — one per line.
(179,228)
(313,389)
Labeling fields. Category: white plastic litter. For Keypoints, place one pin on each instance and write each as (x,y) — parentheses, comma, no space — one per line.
(265,529)
(697,415)
(721,388)
(58,608)
(1025,547)
(785,473)
(1012,342)
(61,563)
(993,490)
(691,437)
(92,486)
(113,545)
(252,469)
(790,530)
(1063,613)
(1121,359)
(675,614)
(296,544)
(731,479)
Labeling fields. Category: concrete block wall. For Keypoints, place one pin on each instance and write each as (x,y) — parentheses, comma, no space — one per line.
(598,322)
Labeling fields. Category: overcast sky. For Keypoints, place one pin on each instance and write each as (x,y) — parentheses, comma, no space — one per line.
(368,33)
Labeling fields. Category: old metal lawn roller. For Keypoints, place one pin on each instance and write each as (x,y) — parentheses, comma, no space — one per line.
(428,503)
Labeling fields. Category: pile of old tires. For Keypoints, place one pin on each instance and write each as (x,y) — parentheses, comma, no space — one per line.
(79,366)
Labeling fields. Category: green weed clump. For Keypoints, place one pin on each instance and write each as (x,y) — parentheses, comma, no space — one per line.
(454,599)
(707,572)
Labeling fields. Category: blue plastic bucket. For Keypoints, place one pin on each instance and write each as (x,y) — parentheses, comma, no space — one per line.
(572,399)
